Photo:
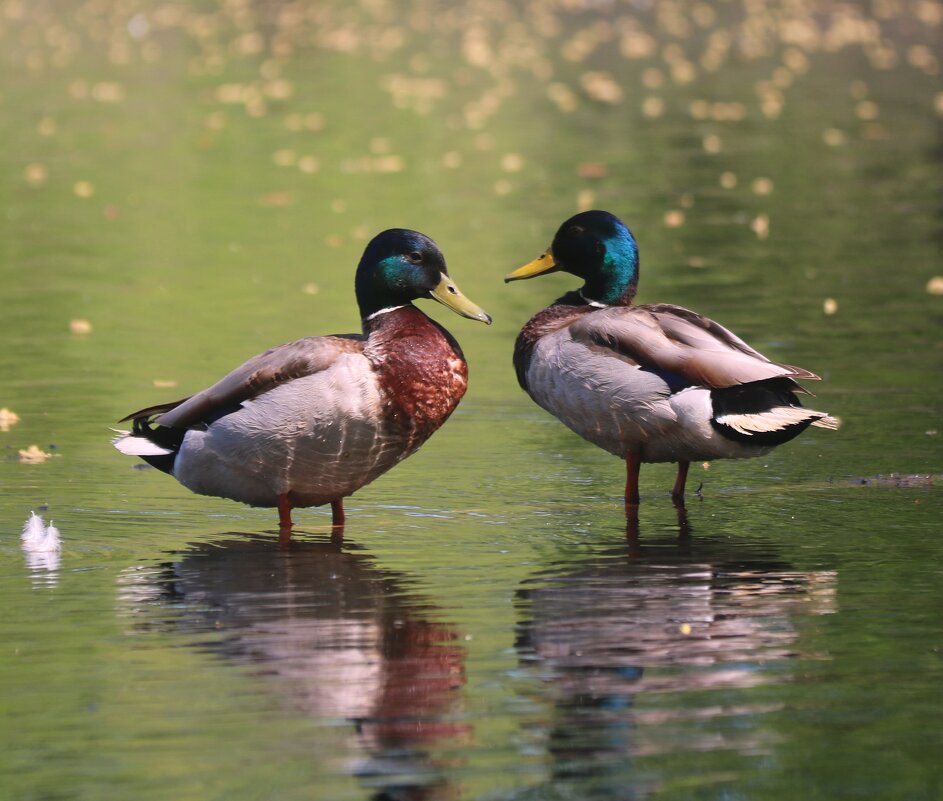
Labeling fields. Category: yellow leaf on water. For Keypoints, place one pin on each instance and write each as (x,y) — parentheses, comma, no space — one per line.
(8,419)
(592,169)
(867,110)
(601,86)
(760,226)
(36,174)
(585,199)
(712,144)
(762,186)
(653,107)
(386,164)
(285,157)
(33,455)
(674,218)
(83,189)
(512,162)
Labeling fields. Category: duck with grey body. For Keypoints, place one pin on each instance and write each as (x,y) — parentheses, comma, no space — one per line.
(310,422)
(648,382)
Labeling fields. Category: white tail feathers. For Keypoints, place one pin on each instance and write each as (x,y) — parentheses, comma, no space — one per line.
(776,419)
(131,445)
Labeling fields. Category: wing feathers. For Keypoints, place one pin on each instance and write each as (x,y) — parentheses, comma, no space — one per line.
(150,411)
(260,374)
(671,338)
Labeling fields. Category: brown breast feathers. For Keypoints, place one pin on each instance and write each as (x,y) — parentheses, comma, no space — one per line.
(563,312)
(421,371)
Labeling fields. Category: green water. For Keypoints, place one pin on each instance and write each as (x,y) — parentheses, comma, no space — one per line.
(197,181)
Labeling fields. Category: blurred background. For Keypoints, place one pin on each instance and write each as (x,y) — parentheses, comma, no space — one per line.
(183,185)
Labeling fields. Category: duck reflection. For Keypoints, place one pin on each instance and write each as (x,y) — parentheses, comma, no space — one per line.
(344,639)
(658,650)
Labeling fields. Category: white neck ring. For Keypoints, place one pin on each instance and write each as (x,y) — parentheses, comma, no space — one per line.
(387,310)
(595,303)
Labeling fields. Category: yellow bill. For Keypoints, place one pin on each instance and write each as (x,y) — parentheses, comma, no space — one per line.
(544,263)
(449,295)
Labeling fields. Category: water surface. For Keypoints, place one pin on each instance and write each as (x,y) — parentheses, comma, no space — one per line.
(184,186)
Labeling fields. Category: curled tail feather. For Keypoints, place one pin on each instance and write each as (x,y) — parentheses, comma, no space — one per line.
(827,421)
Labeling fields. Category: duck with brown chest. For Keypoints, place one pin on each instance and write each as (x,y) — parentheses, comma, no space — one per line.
(421,372)
(310,422)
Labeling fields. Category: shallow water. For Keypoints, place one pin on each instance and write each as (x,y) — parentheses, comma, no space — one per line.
(184,187)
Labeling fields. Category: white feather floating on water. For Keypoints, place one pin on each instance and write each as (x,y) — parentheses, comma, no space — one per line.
(41,544)
(37,537)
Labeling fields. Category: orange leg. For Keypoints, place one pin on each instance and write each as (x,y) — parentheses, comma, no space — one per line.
(337,513)
(677,492)
(633,463)
(284,539)
(284,512)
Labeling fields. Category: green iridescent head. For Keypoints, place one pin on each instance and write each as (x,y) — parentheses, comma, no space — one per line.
(597,247)
(399,266)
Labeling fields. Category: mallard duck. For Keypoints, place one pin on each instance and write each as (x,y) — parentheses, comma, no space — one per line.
(652,382)
(310,422)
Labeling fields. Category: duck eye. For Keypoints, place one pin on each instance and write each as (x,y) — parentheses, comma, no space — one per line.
(415,257)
